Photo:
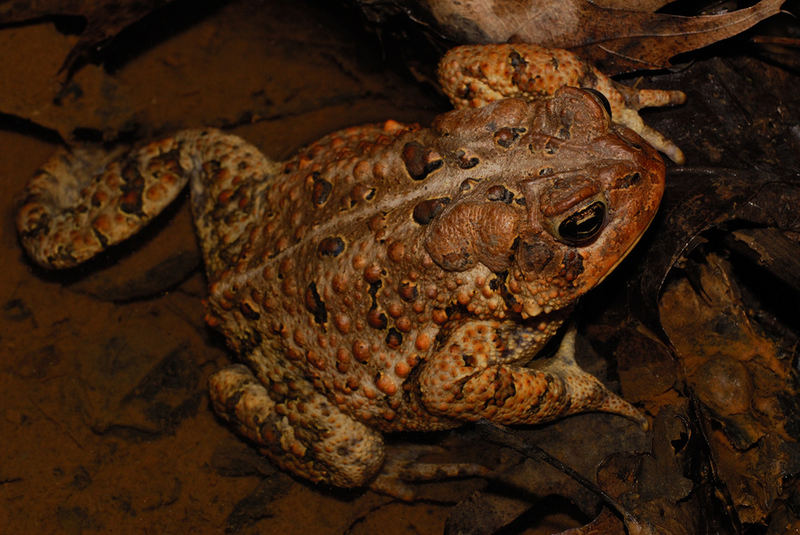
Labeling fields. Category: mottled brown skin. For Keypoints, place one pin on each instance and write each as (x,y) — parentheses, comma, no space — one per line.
(388,277)
(414,269)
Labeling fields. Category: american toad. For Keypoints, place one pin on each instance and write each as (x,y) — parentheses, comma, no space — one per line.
(388,277)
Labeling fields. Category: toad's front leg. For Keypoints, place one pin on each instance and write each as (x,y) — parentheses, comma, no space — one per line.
(479,373)
(472,76)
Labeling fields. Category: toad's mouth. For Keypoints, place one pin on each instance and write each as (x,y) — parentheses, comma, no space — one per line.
(625,253)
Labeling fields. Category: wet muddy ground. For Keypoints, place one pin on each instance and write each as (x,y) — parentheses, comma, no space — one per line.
(105,424)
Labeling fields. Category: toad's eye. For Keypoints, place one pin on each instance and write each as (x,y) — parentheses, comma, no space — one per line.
(584,225)
(600,98)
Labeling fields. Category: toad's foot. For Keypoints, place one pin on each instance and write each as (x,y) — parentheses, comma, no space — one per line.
(82,202)
(479,377)
(586,390)
(403,465)
(472,76)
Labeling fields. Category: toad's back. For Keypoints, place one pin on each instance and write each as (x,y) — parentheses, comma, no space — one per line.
(362,250)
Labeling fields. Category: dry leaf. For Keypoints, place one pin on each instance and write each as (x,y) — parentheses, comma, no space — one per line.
(744,385)
(618,40)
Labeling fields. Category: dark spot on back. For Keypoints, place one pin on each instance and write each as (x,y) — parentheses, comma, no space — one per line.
(506,136)
(315,305)
(499,193)
(321,190)
(466,185)
(248,311)
(420,161)
(464,162)
(427,210)
(408,291)
(376,319)
(394,338)
(331,246)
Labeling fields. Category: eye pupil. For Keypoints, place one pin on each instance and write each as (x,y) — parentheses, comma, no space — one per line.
(584,225)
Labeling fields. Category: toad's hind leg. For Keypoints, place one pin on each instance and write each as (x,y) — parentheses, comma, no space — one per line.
(81,202)
(304,434)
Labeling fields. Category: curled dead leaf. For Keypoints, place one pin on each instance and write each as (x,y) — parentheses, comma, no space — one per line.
(617,36)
